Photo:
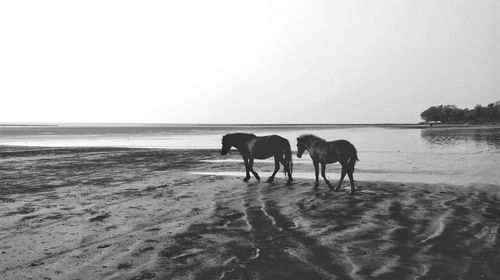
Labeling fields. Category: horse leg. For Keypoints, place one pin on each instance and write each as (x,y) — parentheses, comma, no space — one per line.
(276,168)
(287,167)
(341,178)
(286,160)
(253,171)
(246,169)
(323,168)
(316,173)
(349,172)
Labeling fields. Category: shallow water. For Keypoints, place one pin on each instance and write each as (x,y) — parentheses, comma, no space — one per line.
(438,155)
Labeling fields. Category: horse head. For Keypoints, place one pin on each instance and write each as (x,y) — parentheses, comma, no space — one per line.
(226,146)
(301,147)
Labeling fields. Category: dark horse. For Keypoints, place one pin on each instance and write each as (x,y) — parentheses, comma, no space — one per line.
(252,147)
(323,152)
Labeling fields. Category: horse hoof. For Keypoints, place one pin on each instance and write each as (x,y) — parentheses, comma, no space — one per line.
(269,180)
(246,179)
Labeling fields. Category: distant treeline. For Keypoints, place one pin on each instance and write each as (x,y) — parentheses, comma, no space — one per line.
(452,114)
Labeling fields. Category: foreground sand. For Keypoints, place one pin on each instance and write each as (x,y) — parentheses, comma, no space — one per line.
(101,213)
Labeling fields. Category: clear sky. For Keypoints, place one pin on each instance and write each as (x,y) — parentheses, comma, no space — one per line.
(331,61)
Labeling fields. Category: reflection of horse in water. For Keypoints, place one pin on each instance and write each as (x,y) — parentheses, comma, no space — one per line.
(253,147)
(323,152)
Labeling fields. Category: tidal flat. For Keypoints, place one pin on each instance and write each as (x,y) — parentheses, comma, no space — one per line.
(116,213)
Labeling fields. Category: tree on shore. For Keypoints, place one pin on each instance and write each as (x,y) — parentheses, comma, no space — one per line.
(452,114)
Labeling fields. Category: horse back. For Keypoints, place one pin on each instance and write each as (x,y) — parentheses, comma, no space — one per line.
(344,144)
(342,149)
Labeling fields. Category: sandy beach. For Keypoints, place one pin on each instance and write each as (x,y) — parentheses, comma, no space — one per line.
(110,213)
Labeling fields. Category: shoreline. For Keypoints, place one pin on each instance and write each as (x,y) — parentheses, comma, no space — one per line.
(114,213)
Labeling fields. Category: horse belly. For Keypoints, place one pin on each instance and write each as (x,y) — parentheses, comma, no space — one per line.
(263,154)
(331,159)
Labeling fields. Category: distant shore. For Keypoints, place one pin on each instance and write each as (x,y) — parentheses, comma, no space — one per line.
(443,125)
(111,213)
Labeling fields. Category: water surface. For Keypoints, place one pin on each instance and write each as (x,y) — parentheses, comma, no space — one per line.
(453,155)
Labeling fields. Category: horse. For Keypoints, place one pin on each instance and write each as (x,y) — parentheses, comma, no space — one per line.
(323,152)
(253,147)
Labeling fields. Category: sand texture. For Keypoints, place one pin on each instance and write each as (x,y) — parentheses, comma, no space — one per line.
(104,213)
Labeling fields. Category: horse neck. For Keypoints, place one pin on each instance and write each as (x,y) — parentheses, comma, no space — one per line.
(242,140)
(309,141)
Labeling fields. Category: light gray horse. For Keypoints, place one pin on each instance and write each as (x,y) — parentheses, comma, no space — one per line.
(323,152)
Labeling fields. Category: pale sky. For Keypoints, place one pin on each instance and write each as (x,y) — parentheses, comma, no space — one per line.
(332,61)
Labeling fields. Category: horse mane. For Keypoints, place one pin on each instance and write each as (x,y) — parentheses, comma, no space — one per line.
(311,137)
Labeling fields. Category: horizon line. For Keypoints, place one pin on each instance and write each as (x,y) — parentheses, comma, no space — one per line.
(189,124)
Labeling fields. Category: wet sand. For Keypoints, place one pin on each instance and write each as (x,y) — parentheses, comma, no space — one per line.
(105,213)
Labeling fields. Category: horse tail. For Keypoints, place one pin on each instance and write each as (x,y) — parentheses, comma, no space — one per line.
(288,159)
(353,157)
